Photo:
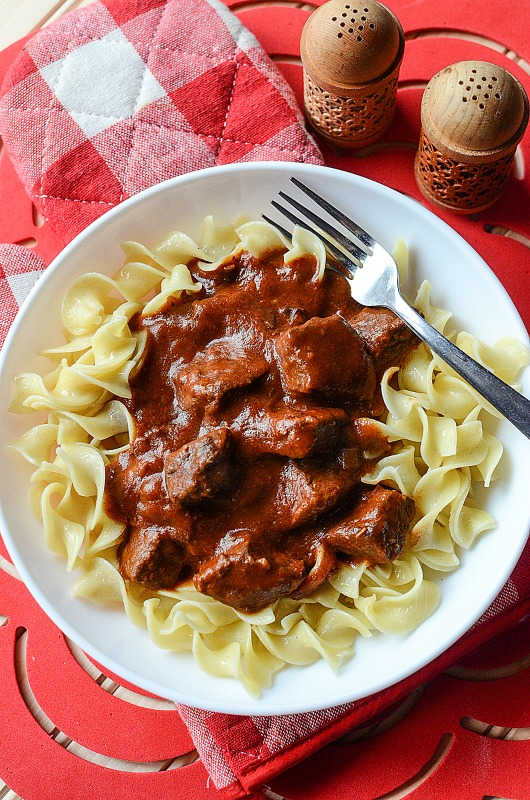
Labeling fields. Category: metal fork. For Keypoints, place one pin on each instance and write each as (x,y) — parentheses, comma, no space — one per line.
(373,278)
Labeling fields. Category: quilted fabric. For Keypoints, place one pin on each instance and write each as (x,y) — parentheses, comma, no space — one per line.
(122,95)
(115,98)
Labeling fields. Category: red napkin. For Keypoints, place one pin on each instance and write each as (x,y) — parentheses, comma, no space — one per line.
(119,96)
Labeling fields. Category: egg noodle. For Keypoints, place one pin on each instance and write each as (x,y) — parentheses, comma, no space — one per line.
(434,418)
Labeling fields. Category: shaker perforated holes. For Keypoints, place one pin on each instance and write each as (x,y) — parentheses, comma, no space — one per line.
(364,21)
(479,87)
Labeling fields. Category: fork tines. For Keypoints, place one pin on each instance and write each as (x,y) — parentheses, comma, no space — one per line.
(347,261)
(347,252)
(325,228)
(363,236)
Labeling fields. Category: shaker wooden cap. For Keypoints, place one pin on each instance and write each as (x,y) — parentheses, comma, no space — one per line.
(473,110)
(350,43)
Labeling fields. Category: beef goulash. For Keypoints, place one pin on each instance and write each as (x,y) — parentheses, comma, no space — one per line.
(254,417)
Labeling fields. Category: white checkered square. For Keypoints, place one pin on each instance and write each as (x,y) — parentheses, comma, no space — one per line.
(21,284)
(102,82)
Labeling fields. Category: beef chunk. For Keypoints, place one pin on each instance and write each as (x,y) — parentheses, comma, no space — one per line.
(308,489)
(366,433)
(293,432)
(375,529)
(200,469)
(153,556)
(249,581)
(385,336)
(222,367)
(326,356)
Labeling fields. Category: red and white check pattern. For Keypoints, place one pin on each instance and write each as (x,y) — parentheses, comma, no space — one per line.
(113,99)
(19,271)
(122,95)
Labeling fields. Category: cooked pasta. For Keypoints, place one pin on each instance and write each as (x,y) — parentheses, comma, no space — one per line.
(434,419)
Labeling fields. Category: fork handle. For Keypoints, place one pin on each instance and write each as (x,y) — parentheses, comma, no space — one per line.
(513,405)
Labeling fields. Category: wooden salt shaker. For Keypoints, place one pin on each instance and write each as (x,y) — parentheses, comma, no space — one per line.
(351,51)
(473,114)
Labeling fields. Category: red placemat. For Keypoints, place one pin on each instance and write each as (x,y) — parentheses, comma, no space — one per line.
(57,728)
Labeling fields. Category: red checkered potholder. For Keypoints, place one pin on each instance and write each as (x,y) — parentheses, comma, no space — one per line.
(117,97)
(122,95)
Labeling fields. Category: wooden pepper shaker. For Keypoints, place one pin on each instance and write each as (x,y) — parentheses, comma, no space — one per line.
(473,114)
(351,51)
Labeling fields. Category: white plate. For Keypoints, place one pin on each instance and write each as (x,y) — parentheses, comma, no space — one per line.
(461,282)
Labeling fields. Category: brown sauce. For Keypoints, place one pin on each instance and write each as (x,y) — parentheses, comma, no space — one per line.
(252,414)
